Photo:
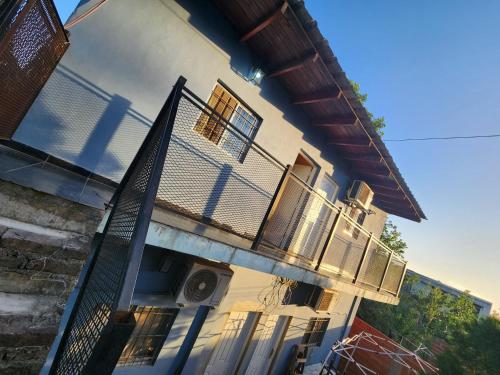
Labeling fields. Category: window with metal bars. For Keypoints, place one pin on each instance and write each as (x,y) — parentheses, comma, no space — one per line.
(151,330)
(315,331)
(224,107)
(358,216)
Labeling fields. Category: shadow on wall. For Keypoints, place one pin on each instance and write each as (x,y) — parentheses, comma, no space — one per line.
(77,121)
(242,60)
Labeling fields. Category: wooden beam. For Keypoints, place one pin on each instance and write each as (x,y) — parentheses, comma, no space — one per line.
(266,22)
(370,159)
(390,196)
(294,65)
(393,205)
(372,172)
(333,94)
(382,187)
(356,142)
(335,121)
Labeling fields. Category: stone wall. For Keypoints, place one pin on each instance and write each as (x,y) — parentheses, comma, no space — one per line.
(44,241)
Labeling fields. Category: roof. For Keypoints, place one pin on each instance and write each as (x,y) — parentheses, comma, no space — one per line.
(293,50)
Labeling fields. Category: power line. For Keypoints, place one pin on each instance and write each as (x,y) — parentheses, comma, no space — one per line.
(443,138)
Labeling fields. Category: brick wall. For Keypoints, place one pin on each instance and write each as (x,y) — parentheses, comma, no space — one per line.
(44,241)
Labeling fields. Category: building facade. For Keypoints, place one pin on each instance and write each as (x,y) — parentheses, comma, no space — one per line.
(482,306)
(273,193)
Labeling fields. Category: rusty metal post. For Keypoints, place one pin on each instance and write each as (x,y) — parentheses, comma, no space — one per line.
(363,258)
(330,237)
(272,207)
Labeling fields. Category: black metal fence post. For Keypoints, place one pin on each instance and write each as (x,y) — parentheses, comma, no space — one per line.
(363,258)
(138,239)
(272,207)
(386,268)
(329,239)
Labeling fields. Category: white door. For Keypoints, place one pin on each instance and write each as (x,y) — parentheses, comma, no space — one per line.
(232,342)
(269,342)
(316,217)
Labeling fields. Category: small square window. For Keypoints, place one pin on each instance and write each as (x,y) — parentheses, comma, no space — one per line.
(225,108)
(152,327)
(315,331)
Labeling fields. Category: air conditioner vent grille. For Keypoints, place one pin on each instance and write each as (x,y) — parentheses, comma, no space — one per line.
(325,301)
(200,285)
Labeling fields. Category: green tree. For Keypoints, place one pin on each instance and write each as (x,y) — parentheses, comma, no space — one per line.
(475,350)
(422,315)
(391,237)
(377,122)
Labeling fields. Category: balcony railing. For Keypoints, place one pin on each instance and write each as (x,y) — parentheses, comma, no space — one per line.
(178,168)
(32,41)
(232,183)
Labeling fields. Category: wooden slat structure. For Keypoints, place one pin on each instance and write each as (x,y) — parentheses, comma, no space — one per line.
(307,68)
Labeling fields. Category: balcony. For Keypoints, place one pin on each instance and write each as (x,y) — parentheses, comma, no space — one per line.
(215,175)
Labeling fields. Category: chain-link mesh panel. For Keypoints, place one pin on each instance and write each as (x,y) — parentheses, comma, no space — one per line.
(394,274)
(345,252)
(301,221)
(203,179)
(104,284)
(32,42)
(372,270)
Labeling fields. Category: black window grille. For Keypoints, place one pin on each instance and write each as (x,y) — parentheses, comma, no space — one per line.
(315,331)
(222,105)
(153,325)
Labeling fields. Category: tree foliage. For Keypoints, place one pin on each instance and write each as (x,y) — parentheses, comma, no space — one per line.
(475,350)
(391,237)
(377,122)
(422,315)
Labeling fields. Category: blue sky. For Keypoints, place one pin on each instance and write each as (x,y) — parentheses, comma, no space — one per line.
(431,69)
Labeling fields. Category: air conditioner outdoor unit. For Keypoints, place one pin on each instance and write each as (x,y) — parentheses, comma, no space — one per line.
(204,284)
(321,299)
(360,194)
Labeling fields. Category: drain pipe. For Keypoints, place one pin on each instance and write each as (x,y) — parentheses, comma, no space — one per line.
(188,343)
(335,359)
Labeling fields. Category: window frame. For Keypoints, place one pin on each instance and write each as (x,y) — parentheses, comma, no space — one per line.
(240,103)
(131,359)
(315,331)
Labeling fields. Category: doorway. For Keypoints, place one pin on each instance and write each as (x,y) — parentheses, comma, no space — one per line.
(268,346)
(282,227)
(232,342)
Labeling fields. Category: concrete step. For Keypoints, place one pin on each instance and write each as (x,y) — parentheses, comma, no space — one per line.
(28,320)
(28,366)
(35,282)
(29,238)
(17,260)
(31,206)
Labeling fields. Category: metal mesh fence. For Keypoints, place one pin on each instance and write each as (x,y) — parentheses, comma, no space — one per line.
(301,221)
(372,270)
(32,42)
(345,252)
(394,274)
(204,180)
(105,279)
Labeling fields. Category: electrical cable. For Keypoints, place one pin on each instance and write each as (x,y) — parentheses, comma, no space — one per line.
(443,138)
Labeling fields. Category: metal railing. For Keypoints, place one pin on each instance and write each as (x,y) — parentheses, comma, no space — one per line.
(259,198)
(178,168)
(32,41)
